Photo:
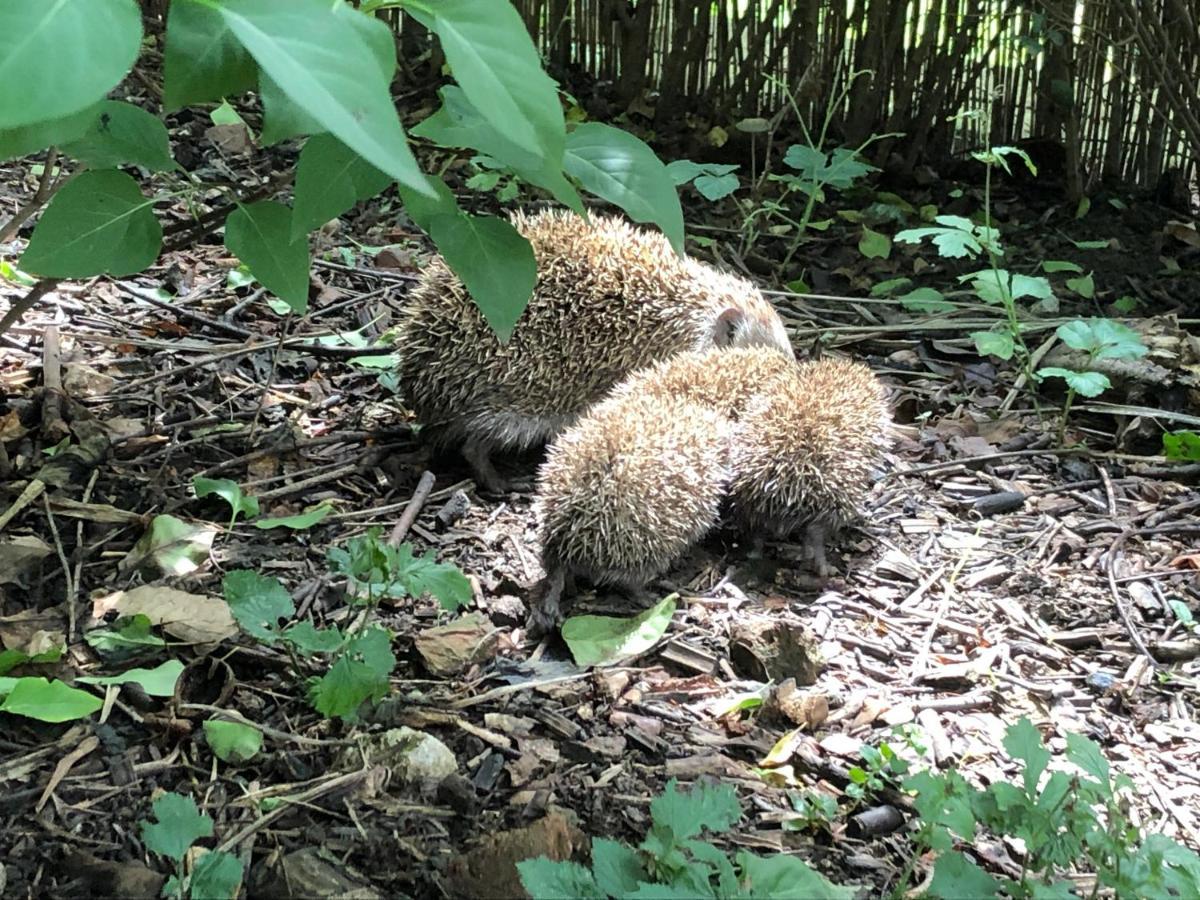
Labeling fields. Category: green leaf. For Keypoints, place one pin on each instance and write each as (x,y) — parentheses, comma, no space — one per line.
(298,522)
(330,179)
(444,581)
(993,343)
(233,741)
(494,262)
(1181,445)
(122,134)
(784,877)
(926,300)
(1091,245)
(1051,266)
(1085,287)
(951,243)
(808,161)
(257,602)
(216,876)
(423,210)
(957,878)
(716,187)
(128,636)
(599,639)
(62,56)
(37,136)
(890,287)
(172,545)
(48,701)
(359,674)
(459,124)
(1126,304)
(497,66)
(203,60)
(347,91)
(178,825)
(845,168)
(157,682)
(1088,756)
(1024,742)
(617,868)
(261,236)
(99,223)
(1102,338)
(874,245)
(229,491)
(714,807)
(545,879)
(309,640)
(282,118)
(10,659)
(619,167)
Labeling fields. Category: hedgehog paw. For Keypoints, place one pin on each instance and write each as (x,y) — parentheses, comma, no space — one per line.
(545,613)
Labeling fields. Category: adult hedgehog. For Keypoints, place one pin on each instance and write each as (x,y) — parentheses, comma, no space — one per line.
(609,299)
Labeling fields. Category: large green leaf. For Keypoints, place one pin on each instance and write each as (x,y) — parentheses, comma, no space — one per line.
(619,167)
(282,119)
(203,60)
(330,179)
(63,55)
(494,262)
(261,236)
(422,210)
(98,223)
(320,58)
(603,639)
(459,124)
(497,65)
(47,701)
(122,134)
(27,139)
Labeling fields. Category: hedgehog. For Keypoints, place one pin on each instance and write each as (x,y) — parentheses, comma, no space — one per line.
(804,452)
(627,490)
(609,299)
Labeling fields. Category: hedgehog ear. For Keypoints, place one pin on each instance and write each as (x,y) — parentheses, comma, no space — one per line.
(729,322)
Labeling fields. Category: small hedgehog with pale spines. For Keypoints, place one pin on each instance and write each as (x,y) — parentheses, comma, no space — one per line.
(803,453)
(609,299)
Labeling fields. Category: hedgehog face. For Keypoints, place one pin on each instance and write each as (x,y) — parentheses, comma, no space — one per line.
(752,324)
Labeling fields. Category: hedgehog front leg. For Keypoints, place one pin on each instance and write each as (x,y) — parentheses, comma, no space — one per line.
(545,613)
(478,454)
(816,533)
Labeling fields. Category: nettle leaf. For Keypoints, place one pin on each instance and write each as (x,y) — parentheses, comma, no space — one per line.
(444,581)
(494,262)
(122,134)
(98,223)
(957,878)
(217,875)
(347,91)
(1024,742)
(178,825)
(359,675)
(622,169)
(229,491)
(47,701)
(330,179)
(27,139)
(993,343)
(233,741)
(308,640)
(599,639)
(459,124)
(1088,756)
(1181,445)
(260,235)
(62,57)
(203,60)
(157,682)
(545,878)
(874,245)
(951,243)
(257,603)
(714,807)
(784,877)
(1087,384)
(497,65)
(618,869)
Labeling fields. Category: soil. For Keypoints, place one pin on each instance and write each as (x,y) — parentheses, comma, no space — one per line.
(997,574)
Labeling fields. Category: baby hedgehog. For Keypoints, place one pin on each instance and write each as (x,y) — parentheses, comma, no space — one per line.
(803,453)
(626,491)
(609,299)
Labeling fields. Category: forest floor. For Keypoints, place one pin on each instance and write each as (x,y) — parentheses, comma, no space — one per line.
(996,576)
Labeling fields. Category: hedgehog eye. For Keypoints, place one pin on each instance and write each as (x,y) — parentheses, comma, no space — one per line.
(726,329)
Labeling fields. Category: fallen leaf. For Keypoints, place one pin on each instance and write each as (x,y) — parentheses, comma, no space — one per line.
(448,649)
(19,556)
(171,545)
(191,618)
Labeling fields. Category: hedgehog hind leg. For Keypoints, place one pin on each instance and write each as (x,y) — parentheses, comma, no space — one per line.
(816,536)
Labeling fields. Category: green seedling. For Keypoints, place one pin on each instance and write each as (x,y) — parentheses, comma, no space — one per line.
(177,825)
